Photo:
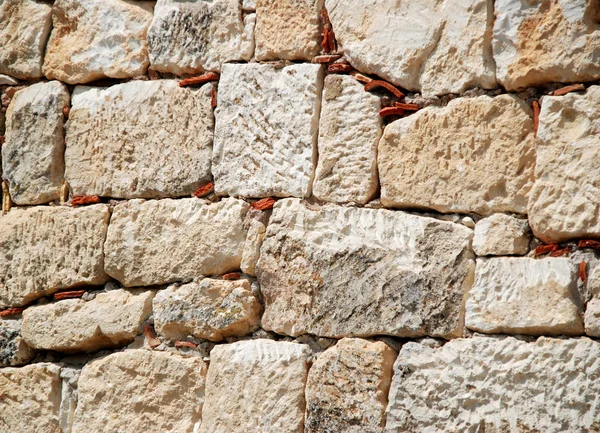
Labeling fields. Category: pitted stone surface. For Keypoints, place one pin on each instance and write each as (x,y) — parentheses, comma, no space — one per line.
(342,271)
(33,154)
(94,39)
(44,249)
(349,132)
(501,235)
(592,311)
(13,350)
(256,386)
(475,155)
(149,139)
(266,125)
(162,241)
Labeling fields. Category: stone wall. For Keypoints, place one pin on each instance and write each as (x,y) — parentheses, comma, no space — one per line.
(281,216)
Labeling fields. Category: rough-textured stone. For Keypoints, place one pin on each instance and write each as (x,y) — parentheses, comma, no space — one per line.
(344,271)
(13,350)
(111,319)
(162,241)
(33,154)
(266,125)
(188,37)
(592,311)
(257,228)
(288,29)
(25,29)
(211,310)
(349,132)
(256,386)
(8,81)
(546,41)
(44,249)
(475,155)
(140,391)
(564,200)
(149,139)
(501,235)
(94,39)
(347,387)
(496,385)
(30,399)
(433,46)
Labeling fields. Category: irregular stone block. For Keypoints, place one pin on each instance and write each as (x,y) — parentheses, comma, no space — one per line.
(343,271)
(150,139)
(13,349)
(162,241)
(592,311)
(563,203)
(140,391)
(442,47)
(26,25)
(541,42)
(257,228)
(33,154)
(475,155)
(8,81)
(496,384)
(189,37)
(347,387)
(211,309)
(501,235)
(349,131)
(272,373)
(94,39)
(266,127)
(45,249)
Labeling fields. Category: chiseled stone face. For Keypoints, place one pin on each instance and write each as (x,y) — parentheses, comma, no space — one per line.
(592,311)
(149,139)
(256,386)
(475,155)
(13,350)
(336,271)
(501,235)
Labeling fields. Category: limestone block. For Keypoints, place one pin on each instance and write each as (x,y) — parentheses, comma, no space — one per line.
(500,235)
(189,37)
(30,399)
(150,139)
(496,385)
(592,311)
(163,241)
(211,309)
(44,249)
(349,132)
(347,387)
(6,80)
(344,271)
(540,42)
(26,25)
(249,5)
(140,391)
(563,203)
(475,155)
(94,39)
(257,228)
(433,46)
(256,386)
(266,125)
(13,349)
(33,154)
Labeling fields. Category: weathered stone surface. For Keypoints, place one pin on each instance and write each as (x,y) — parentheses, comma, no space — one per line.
(500,235)
(475,155)
(94,39)
(162,241)
(288,29)
(150,139)
(343,271)
(44,249)
(13,350)
(349,131)
(266,125)
(33,154)
(256,385)
(347,387)
(9,81)
(211,309)
(563,203)
(592,311)
(188,37)
(140,391)
(25,29)
(541,42)
(257,228)
(30,399)
(500,385)
(444,46)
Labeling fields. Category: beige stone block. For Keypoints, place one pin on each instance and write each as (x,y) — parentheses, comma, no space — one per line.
(13,349)
(501,235)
